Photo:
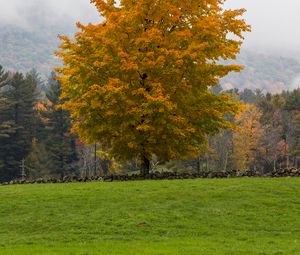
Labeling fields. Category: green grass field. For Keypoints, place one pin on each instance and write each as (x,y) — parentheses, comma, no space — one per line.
(233,216)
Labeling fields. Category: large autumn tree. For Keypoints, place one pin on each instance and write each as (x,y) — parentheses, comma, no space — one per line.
(139,82)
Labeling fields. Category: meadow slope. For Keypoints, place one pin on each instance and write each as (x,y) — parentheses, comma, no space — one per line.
(232,216)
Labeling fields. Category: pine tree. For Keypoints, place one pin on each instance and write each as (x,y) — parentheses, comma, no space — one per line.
(60,143)
(37,163)
(5,126)
(20,95)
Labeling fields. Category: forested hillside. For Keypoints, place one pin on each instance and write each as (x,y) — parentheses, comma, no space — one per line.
(268,72)
(23,49)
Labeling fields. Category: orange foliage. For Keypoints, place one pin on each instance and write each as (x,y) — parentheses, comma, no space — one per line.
(247,138)
(139,81)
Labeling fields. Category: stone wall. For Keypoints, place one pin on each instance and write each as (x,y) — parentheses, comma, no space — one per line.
(292,172)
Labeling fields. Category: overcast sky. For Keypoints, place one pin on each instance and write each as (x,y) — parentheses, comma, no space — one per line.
(275,23)
(26,13)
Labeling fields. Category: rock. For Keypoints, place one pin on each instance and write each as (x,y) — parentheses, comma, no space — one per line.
(295,171)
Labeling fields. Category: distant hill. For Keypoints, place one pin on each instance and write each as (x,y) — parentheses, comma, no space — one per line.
(267,72)
(23,50)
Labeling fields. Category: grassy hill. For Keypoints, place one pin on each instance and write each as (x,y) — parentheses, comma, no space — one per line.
(234,216)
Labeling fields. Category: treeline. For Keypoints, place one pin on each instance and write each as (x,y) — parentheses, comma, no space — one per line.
(267,136)
(36,139)
(35,136)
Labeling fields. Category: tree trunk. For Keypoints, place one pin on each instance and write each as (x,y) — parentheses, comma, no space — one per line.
(95,159)
(62,166)
(145,165)
(207,165)
(226,162)
(199,165)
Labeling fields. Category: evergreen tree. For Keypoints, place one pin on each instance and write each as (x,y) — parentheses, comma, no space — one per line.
(5,126)
(20,99)
(60,143)
(37,163)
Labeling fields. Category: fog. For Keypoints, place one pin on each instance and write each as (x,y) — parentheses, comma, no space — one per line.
(32,13)
(274,22)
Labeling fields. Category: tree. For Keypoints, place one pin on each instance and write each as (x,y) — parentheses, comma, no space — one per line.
(6,128)
(139,82)
(296,151)
(38,163)
(5,125)
(21,97)
(60,144)
(221,147)
(247,138)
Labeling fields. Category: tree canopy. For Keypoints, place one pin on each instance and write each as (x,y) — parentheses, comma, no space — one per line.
(139,82)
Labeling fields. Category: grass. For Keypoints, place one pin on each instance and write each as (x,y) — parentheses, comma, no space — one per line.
(233,216)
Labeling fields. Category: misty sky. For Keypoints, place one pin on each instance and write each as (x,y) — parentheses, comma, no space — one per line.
(274,22)
(26,13)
